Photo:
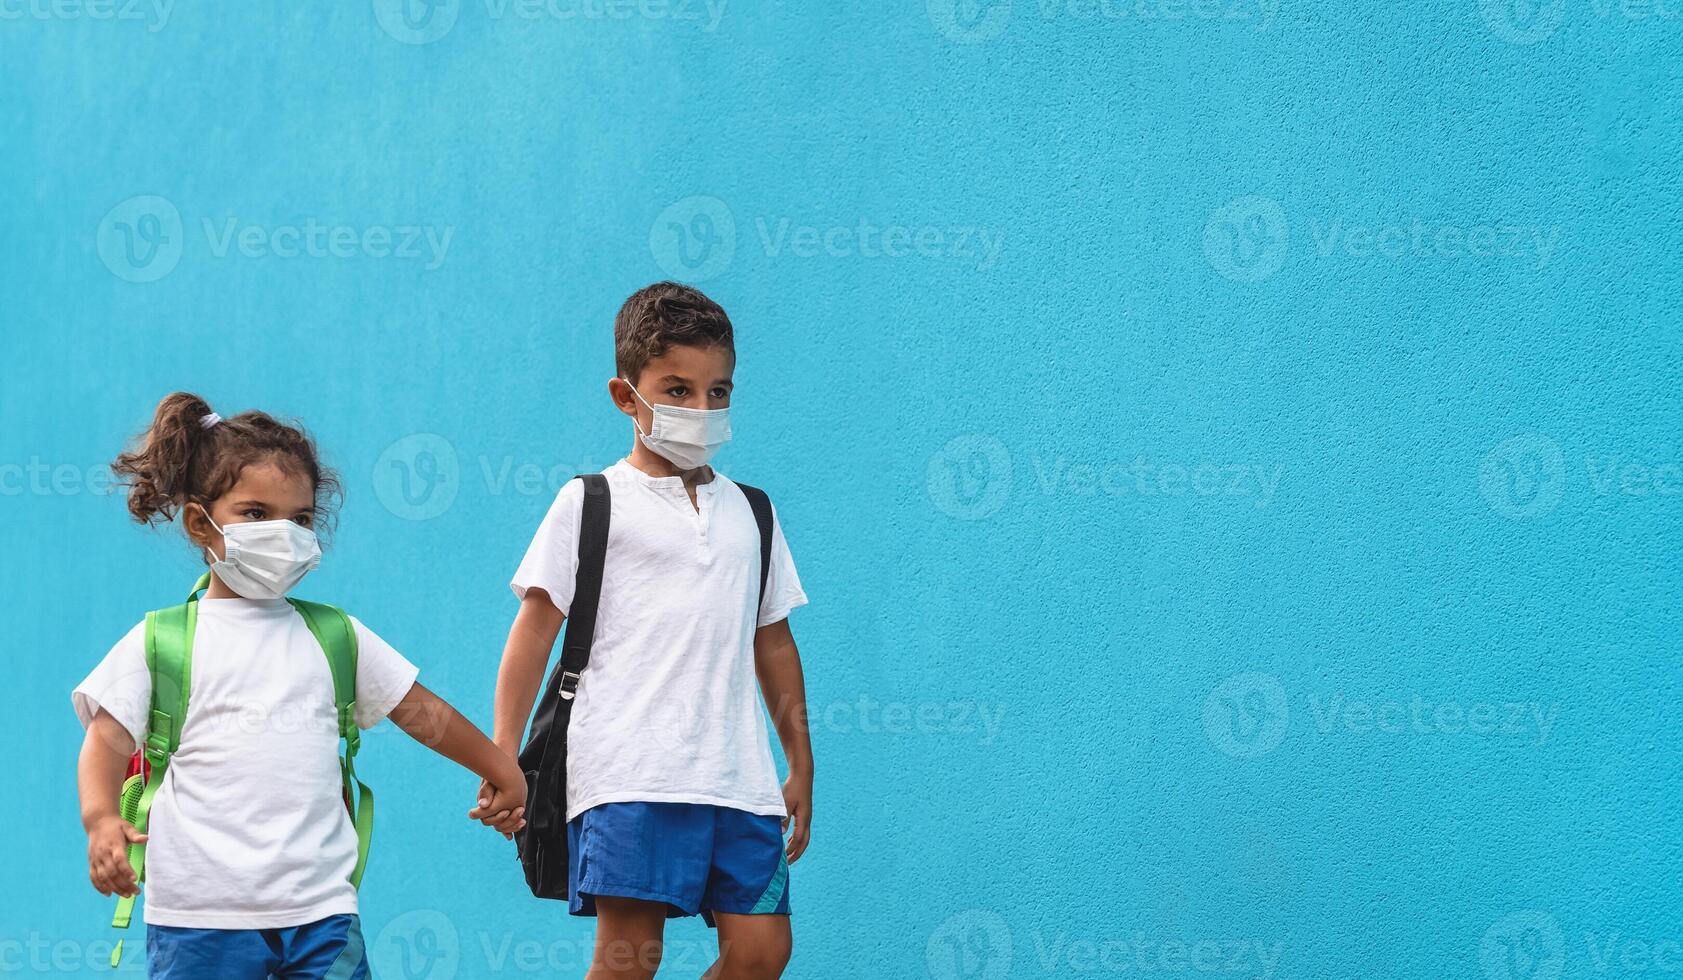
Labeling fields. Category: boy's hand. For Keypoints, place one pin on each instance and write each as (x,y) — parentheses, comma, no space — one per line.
(502,807)
(108,856)
(797,797)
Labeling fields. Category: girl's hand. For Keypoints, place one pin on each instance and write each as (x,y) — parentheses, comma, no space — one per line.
(108,856)
(502,807)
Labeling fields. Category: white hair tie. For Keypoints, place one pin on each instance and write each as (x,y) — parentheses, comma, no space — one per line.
(210,420)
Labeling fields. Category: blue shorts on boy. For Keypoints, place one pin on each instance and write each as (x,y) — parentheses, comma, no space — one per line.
(327,949)
(692,856)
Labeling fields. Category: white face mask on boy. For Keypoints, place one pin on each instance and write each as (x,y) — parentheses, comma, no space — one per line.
(685,437)
(264,559)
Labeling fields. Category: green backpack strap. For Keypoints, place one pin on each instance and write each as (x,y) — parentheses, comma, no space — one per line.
(333,630)
(169,660)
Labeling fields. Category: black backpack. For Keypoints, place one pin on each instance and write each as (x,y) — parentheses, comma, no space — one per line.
(543,842)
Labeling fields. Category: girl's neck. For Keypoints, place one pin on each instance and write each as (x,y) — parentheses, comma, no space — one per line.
(218,590)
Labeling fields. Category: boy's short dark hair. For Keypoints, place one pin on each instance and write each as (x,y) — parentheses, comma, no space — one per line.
(661,315)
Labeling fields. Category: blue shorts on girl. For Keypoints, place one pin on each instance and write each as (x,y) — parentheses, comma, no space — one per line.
(328,949)
(692,856)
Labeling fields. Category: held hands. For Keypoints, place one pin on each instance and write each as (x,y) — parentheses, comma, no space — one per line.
(108,856)
(797,797)
(502,804)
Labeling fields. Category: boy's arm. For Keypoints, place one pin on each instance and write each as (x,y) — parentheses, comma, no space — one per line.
(778,664)
(432,722)
(106,749)
(525,654)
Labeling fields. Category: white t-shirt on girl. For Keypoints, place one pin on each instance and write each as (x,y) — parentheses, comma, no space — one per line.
(249,829)
(669,709)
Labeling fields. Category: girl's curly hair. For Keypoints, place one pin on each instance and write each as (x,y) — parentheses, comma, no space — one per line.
(181,459)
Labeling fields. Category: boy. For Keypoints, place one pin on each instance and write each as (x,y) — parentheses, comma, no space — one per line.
(673,805)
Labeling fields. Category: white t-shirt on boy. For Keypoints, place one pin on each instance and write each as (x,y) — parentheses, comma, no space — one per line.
(249,828)
(669,708)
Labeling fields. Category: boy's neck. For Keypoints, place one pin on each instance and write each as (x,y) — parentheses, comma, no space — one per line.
(654,464)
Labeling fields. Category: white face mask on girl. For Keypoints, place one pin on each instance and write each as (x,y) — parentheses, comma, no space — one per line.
(264,559)
(685,437)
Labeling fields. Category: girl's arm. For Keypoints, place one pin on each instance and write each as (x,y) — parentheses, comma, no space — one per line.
(778,664)
(106,749)
(433,723)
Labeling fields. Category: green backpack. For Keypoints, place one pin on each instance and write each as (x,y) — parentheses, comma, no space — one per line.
(169,658)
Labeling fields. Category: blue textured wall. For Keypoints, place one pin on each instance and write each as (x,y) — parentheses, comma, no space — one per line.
(1232,446)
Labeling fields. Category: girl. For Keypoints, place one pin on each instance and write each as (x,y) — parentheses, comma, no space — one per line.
(250,854)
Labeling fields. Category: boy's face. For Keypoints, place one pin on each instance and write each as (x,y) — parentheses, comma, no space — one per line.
(688,377)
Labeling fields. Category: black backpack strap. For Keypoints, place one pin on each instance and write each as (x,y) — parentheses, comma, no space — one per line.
(760,504)
(587,586)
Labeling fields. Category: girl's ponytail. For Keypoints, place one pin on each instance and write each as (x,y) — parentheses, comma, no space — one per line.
(160,473)
(192,454)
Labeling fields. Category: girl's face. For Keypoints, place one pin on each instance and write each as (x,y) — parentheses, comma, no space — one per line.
(263,492)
